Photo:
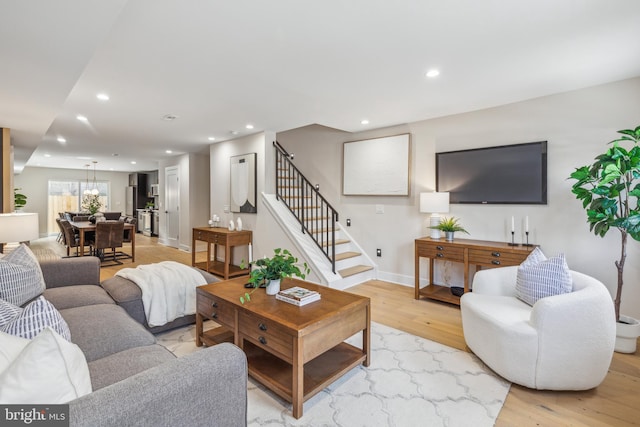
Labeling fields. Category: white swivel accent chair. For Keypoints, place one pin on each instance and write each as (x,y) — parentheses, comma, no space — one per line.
(563,342)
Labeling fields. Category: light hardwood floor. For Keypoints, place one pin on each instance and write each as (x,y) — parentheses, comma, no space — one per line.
(616,402)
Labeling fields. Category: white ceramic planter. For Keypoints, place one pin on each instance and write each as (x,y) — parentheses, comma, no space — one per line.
(627,334)
(273,287)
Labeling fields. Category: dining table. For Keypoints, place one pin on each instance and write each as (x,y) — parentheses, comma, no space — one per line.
(84,226)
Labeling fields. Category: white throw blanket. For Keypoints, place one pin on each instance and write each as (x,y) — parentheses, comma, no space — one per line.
(168,289)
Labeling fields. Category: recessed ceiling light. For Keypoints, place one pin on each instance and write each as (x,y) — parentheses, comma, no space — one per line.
(249,126)
(133,162)
(364,122)
(168,151)
(433,73)
(169,117)
(81,118)
(102,97)
(234,132)
(110,169)
(211,138)
(115,154)
(61,140)
(47,155)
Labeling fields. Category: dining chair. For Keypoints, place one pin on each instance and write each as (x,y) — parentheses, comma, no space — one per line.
(109,235)
(69,235)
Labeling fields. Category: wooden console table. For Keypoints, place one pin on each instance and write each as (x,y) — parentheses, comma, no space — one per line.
(220,236)
(469,252)
(294,351)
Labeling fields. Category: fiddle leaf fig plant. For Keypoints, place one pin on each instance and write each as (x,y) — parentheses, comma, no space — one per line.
(282,264)
(609,190)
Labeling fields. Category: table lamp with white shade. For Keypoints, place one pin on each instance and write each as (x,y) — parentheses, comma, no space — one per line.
(434,203)
(18,227)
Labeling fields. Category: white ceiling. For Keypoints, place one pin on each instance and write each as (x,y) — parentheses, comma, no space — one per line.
(281,64)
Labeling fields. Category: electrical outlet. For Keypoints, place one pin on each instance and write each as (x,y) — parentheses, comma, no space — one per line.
(379,252)
(227,208)
(379,209)
(348,222)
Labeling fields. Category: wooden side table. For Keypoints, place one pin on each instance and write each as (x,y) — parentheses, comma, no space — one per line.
(218,236)
(480,253)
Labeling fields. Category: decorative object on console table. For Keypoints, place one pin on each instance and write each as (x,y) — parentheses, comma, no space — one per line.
(282,264)
(434,203)
(449,226)
(609,192)
(466,251)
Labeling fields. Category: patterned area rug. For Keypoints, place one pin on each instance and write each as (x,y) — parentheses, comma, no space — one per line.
(411,382)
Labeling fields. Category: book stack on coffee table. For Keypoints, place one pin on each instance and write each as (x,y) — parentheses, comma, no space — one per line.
(298,295)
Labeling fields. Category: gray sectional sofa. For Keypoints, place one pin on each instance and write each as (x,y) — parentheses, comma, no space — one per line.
(135,381)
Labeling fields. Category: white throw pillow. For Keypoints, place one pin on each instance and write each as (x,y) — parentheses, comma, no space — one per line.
(48,370)
(10,347)
(21,278)
(539,277)
(36,316)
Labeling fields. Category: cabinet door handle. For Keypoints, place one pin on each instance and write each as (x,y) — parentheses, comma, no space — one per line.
(439,248)
(262,327)
(214,315)
(439,255)
(495,254)
(214,305)
(495,262)
(262,340)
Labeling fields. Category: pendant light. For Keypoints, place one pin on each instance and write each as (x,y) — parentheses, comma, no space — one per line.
(86,186)
(94,189)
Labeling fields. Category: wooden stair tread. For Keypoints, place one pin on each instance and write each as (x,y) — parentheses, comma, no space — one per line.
(338,242)
(347,255)
(354,270)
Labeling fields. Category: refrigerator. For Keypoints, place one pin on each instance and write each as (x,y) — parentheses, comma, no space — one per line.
(135,199)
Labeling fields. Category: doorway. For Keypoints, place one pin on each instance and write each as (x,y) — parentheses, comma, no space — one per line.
(172,205)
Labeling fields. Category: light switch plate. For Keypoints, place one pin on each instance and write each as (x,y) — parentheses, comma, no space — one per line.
(379,209)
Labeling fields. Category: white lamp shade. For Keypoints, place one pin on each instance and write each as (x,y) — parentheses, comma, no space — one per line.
(18,227)
(434,202)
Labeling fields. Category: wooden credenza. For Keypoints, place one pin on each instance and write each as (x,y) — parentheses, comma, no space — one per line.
(480,253)
(218,236)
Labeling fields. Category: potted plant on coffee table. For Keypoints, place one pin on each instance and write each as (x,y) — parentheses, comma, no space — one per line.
(269,272)
(610,189)
(449,226)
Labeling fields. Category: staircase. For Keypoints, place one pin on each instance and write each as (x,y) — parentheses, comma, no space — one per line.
(313,223)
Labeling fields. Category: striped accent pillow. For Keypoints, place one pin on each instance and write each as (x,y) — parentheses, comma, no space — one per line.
(36,316)
(540,277)
(8,312)
(21,278)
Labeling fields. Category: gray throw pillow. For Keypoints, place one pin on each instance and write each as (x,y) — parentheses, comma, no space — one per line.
(8,312)
(539,277)
(36,316)
(21,278)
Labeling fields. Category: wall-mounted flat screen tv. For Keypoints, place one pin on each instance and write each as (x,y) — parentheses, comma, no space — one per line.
(507,174)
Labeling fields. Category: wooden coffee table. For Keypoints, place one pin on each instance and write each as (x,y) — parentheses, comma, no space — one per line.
(294,351)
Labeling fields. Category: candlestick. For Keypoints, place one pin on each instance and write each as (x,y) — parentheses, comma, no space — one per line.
(527,242)
(513,243)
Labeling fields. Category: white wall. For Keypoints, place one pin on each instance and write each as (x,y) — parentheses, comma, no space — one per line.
(194,196)
(34,184)
(267,234)
(577,126)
